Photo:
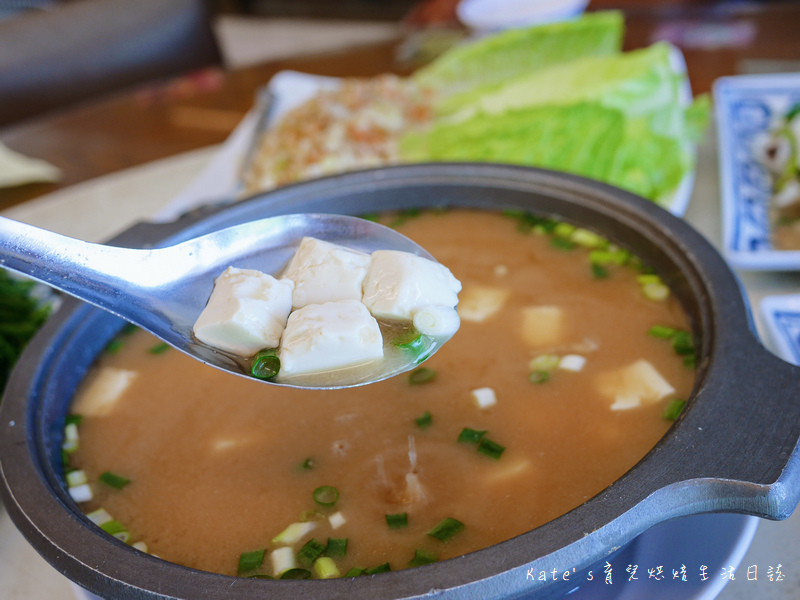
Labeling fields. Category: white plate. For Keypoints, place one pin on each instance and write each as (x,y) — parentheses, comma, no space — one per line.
(747,106)
(781,317)
(220,181)
(492,15)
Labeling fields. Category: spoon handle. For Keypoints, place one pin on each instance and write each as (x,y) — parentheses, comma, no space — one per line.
(102,275)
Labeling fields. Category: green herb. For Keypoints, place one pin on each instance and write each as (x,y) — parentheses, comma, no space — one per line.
(307,464)
(310,552)
(422,557)
(682,343)
(354,572)
(114,346)
(73,420)
(326,495)
(296,573)
(398,521)
(421,375)
(609,257)
(158,348)
(113,480)
(250,561)
(312,515)
(266,364)
(491,449)
(415,343)
(113,527)
(446,529)
(661,332)
(384,568)
(426,420)
(129,329)
(539,376)
(470,436)
(690,361)
(563,243)
(674,409)
(599,271)
(336,547)
(325,568)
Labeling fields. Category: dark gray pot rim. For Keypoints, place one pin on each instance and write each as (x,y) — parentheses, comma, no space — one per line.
(734,449)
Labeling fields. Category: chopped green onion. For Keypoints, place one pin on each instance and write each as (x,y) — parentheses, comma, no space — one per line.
(71,438)
(682,343)
(265,364)
(307,464)
(113,346)
(403,216)
(310,551)
(311,515)
(99,516)
(294,533)
(296,573)
(421,375)
(325,568)
(674,409)
(384,568)
(648,278)
(117,529)
(564,230)
(539,376)
(354,572)
(655,291)
(426,420)
(129,329)
(471,436)
(250,561)
(690,361)
(599,271)
(609,257)
(336,547)
(544,362)
(73,419)
(446,529)
(259,576)
(422,557)
(326,495)
(491,449)
(562,243)
(159,348)
(398,521)
(661,332)
(374,217)
(587,239)
(113,480)
(76,477)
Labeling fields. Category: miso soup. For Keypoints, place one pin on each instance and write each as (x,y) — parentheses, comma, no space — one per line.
(569,365)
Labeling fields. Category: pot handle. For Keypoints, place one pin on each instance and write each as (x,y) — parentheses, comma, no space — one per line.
(742,430)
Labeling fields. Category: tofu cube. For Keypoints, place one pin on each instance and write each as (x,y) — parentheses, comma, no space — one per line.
(572,362)
(246,312)
(542,325)
(325,272)
(484,397)
(103,392)
(479,303)
(324,337)
(633,385)
(400,283)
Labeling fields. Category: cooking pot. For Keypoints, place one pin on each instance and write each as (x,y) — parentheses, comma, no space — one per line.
(733,449)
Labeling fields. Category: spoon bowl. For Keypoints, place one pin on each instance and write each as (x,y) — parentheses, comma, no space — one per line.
(163,290)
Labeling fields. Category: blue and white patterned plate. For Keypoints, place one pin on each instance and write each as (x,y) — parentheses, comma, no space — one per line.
(781,316)
(747,106)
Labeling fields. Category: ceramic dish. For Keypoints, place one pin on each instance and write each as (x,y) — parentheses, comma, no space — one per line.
(732,450)
(781,315)
(746,107)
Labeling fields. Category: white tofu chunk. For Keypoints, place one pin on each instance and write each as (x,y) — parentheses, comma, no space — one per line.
(572,362)
(337,520)
(542,325)
(325,272)
(104,391)
(484,397)
(324,337)
(479,303)
(400,283)
(81,493)
(246,312)
(436,321)
(633,385)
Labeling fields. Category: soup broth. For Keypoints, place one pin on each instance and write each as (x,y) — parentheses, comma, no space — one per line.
(217,466)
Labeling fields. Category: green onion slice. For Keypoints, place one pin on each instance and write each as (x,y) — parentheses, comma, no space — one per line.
(336,547)
(426,420)
(250,561)
(491,449)
(296,573)
(73,419)
(599,271)
(310,552)
(446,529)
(662,332)
(398,521)
(421,375)
(682,343)
(113,480)
(674,409)
(539,376)
(266,364)
(307,464)
(422,557)
(384,568)
(471,436)
(326,495)
(159,348)
(563,243)
(354,572)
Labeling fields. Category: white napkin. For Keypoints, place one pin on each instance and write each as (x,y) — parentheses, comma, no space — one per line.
(17,169)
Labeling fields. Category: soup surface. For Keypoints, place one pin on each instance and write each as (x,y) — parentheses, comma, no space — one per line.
(217,466)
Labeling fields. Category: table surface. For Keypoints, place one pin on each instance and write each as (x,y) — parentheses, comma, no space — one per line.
(192,113)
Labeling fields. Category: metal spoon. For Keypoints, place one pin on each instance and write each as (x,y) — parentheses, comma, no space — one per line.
(164,290)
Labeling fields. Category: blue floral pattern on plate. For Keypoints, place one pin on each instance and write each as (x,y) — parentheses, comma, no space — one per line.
(747,106)
(781,316)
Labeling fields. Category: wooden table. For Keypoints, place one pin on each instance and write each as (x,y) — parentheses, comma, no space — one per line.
(200,110)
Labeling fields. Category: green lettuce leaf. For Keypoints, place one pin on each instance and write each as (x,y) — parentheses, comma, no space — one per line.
(494,59)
